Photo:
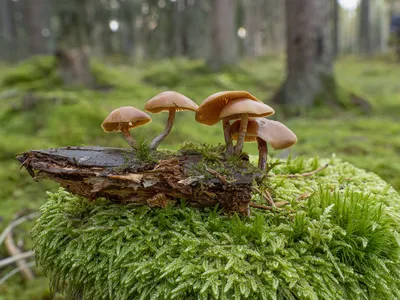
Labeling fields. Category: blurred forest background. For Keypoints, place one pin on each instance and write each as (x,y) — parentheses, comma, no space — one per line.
(330,68)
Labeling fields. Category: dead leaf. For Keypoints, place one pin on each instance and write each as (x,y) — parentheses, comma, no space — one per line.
(303,196)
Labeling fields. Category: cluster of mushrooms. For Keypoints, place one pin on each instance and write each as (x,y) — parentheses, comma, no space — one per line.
(245,110)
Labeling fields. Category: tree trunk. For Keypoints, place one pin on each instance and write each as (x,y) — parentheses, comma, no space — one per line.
(336,30)
(252,20)
(274,27)
(73,36)
(223,34)
(178,8)
(198,35)
(74,67)
(309,55)
(380,29)
(365,28)
(36,21)
(119,175)
(6,40)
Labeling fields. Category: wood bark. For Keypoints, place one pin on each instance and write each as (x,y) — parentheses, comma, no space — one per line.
(263,23)
(365,42)
(73,36)
(118,175)
(36,21)
(336,28)
(6,28)
(252,26)
(274,28)
(74,67)
(309,61)
(198,35)
(223,34)
(178,8)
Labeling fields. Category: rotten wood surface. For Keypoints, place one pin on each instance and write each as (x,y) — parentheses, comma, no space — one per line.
(118,175)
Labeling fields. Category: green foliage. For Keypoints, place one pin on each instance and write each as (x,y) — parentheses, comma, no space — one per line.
(340,243)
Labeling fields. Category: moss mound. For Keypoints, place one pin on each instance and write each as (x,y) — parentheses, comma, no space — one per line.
(40,73)
(340,242)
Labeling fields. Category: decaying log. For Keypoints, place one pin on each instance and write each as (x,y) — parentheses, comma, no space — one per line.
(120,176)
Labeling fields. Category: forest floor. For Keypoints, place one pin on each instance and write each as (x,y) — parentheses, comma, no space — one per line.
(63,117)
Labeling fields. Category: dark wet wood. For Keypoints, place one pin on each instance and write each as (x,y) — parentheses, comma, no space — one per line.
(118,175)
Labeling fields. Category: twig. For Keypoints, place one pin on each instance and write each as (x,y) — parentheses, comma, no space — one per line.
(218,175)
(15,223)
(10,260)
(281,203)
(301,175)
(255,205)
(266,195)
(15,271)
(26,272)
(303,196)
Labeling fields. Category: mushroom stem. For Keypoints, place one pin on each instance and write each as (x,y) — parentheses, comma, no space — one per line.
(244,118)
(128,137)
(262,154)
(228,137)
(158,139)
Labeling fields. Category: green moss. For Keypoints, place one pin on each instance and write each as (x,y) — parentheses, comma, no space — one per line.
(333,94)
(36,68)
(340,243)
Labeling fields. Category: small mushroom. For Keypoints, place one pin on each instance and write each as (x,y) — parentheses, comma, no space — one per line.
(263,130)
(172,102)
(209,111)
(243,109)
(124,119)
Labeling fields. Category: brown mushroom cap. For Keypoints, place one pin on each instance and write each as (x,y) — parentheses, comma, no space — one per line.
(273,132)
(235,108)
(125,118)
(170,99)
(209,111)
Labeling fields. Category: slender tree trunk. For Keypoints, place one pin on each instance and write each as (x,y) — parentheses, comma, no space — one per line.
(252,24)
(6,39)
(223,34)
(336,29)
(365,28)
(309,57)
(379,23)
(128,39)
(198,35)
(36,22)
(178,7)
(274,28)
(73,35)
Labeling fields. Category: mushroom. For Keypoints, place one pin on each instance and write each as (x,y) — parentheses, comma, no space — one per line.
(263,130)
(243,109)
(209,111)
(172,102)
(123,119)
